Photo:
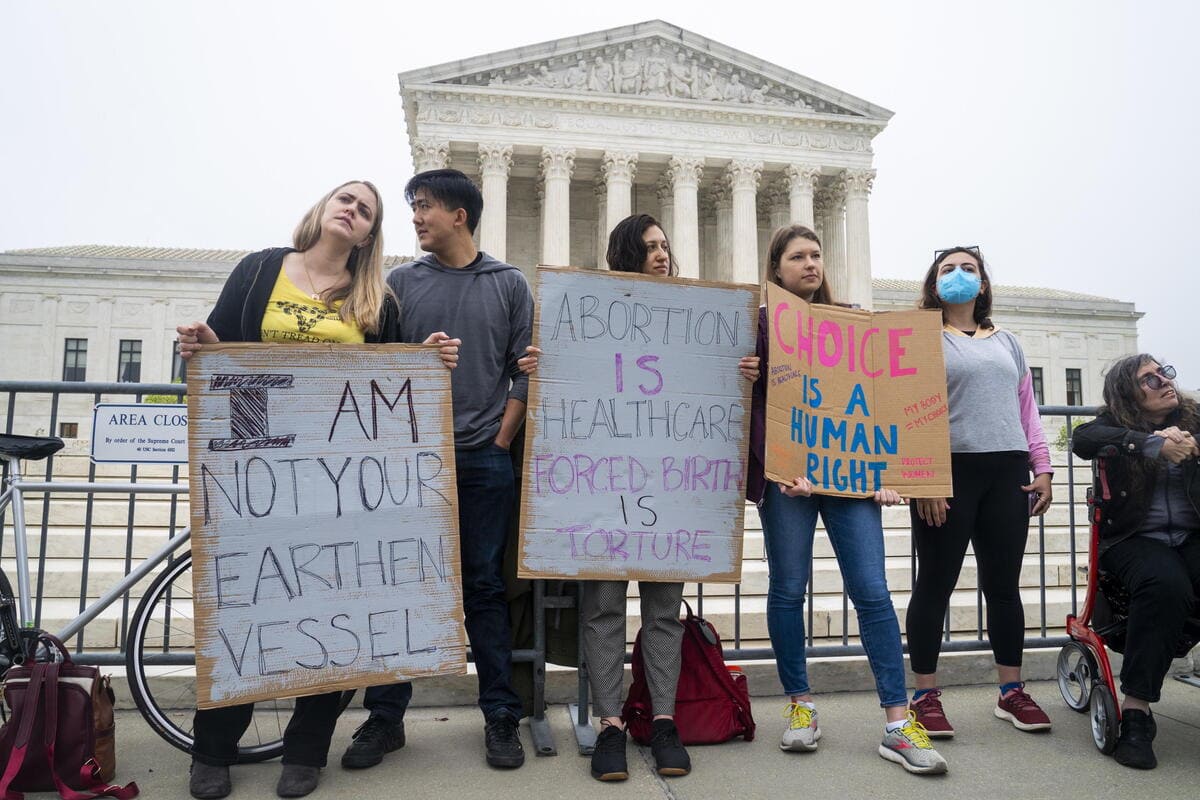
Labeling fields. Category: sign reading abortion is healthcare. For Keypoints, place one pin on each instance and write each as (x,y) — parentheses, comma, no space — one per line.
(637,428)
(324,519)
(856,401)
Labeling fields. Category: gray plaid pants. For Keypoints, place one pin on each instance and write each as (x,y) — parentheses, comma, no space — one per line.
(604,642)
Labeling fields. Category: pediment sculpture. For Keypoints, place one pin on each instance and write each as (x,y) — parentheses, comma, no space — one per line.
(650,68)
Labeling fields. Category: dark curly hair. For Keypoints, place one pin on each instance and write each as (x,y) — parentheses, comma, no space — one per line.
(1123,393)
(627,251)
(983,303)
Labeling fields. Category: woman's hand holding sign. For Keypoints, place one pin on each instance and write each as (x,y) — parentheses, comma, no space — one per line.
(932,510)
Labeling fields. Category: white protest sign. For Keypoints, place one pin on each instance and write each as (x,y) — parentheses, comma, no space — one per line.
(324,519)
(139,433)
(637,428)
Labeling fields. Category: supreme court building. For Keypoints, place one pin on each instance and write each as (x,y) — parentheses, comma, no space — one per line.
(568,137)
(565,139)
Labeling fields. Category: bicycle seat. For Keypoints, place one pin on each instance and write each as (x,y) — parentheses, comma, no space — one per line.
(33,448)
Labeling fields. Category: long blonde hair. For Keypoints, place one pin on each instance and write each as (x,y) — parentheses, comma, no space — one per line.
(364,296)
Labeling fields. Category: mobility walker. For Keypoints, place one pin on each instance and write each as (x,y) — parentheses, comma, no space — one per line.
(1085,677)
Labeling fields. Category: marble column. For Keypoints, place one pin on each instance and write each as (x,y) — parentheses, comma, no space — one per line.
(708,234)
(802,182)
(743,177)
(831,206)
(618,170)
(557,165)
(857,185)
(723,205)
(666,209)
(495,160)
(601,192)
(430,154)
(684,174)
(779,212)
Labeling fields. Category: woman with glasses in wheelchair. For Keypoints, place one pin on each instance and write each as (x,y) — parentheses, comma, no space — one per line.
(1146,433)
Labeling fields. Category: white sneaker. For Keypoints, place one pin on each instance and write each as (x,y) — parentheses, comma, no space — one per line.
(910,747)
(802,732)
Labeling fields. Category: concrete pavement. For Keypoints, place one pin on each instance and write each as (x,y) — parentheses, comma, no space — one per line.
(988,759)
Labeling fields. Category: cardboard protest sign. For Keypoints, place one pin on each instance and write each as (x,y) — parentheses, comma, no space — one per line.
(856,400)
(637,428)
(324,519)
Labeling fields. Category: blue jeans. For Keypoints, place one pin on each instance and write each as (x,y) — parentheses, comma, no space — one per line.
(486,493)
(855,529)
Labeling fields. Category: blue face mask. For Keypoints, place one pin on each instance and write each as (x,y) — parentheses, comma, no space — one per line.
(958,286)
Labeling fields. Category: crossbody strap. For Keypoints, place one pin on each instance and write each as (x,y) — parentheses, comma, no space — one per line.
(89,773)
(29,711)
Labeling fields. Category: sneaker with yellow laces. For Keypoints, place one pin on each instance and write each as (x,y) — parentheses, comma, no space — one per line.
(909,746)
(802,732)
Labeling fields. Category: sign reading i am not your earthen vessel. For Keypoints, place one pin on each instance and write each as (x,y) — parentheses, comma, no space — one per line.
(324,519)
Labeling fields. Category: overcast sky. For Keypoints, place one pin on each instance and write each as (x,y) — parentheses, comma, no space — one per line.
(1060,136)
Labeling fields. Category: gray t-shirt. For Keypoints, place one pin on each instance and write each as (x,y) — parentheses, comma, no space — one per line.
(983,375)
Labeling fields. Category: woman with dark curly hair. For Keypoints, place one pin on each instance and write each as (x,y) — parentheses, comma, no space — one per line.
(1150,535)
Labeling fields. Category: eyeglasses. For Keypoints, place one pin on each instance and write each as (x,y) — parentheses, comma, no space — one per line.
(1157,380)
(938,255)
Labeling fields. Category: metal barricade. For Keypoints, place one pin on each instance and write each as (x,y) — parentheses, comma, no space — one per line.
(32,400)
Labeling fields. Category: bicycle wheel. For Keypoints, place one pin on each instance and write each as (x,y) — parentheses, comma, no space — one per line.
(161,630)
(10,639)
(164,688)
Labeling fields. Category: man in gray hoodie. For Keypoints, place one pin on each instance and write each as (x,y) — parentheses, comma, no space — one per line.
(487,304)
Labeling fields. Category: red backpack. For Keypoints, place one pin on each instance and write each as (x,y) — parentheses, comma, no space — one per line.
(712,703)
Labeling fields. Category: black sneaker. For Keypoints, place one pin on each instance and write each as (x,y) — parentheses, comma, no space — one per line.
(608,759)
(503,741)
(374,739)
(1134,744)
(669,756)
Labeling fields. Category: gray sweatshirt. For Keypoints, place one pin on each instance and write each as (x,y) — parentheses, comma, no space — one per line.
(489,306)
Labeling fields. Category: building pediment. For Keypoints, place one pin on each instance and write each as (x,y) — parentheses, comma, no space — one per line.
(650,61)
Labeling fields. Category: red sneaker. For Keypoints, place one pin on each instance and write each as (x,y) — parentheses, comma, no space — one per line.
(930,714)
(1021,710)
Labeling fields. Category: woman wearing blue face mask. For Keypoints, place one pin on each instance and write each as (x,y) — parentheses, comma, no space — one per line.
(996,442)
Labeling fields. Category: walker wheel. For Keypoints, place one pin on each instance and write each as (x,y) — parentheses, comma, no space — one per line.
(1106,726)
(1076,675)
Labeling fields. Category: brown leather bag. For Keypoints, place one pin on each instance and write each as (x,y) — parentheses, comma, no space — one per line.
(60,733)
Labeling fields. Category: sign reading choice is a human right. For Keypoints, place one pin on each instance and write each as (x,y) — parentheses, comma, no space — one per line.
(637,428)
(324,519)
(856,400)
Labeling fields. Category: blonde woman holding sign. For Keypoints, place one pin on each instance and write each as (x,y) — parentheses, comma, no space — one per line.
(328,287)
(854,526)
(996,440)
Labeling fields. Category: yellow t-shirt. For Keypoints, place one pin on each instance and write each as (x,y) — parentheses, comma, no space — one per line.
(293,316)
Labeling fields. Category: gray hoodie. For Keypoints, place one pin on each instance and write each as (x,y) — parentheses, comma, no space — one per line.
(489,306)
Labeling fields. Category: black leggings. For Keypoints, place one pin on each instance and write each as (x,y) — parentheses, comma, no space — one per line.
(306,740)
(990,511)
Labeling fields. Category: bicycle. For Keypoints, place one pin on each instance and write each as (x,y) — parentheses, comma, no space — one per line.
(158,644)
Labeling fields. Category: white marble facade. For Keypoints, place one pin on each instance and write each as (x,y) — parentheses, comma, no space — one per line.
(568,137)
(565,139)
(103,295)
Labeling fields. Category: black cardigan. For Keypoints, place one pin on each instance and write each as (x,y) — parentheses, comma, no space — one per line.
(238,314)
(1124,511)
